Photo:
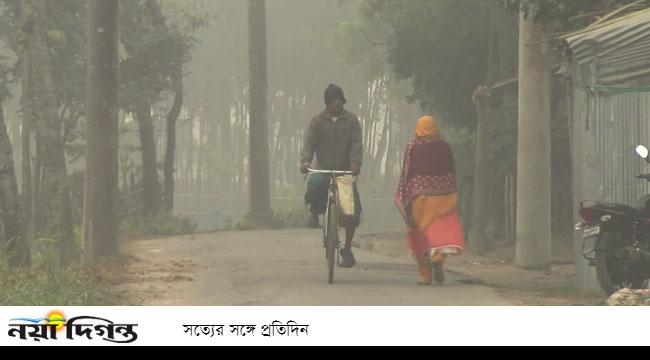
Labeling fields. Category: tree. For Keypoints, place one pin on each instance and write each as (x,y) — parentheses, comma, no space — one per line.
(483,102)
(28,125)
(170,153)
(156,53)
(441,46)
(259,174)
(151,189)
(59,32)
(447,49)
(45,37)
(54,211)
(143,82)
(478,233)
(101,184)
(15,232)
(534,144)
(178,55)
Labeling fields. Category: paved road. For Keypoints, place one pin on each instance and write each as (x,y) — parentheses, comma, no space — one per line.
(283,268)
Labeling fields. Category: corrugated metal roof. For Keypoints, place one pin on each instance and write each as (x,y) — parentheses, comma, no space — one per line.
(613,53)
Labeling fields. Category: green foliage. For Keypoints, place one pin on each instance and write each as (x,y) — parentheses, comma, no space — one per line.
(285,219)
(503,136)
(67,46)
(463,141)
(440,46)
(154,47)
(66,41)
(6,78)
(45,253)
(362,45)
(164,224)
(290,219)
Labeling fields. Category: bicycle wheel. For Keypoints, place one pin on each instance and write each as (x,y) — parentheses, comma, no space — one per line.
(332,241)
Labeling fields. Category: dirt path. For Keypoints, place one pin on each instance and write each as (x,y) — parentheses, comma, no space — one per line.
(284,268)
(496,269)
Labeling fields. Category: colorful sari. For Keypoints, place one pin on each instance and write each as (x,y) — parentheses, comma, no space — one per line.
(427,198)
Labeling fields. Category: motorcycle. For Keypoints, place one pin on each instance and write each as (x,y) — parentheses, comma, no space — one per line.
(620,240)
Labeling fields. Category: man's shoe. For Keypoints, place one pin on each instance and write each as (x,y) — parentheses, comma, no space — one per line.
(313,222)
(347,259)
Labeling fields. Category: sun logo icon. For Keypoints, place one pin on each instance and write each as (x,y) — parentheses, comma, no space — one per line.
(56,318)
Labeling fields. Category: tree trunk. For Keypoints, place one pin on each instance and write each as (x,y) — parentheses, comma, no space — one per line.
(101,183)
(189,163)
(199,155)
(466,197)
(26,155)
(150,183)
(369,123)
(28,120)
(39,225)
(480,194)
(381,147)
(259,173)
(479,236)
(496,219)
(244,157)
(16,144)
(15,233)
(391,155)
(212,139)
(534,146)
(54,208)
(170,152)
(226,149)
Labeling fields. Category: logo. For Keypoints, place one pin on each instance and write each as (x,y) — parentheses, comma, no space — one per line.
(55,325)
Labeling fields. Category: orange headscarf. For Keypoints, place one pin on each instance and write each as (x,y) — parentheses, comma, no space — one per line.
(427,127)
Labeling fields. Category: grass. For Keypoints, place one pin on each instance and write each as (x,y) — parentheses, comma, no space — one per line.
(163,224)
(46,284)
(60,288)
(281,220)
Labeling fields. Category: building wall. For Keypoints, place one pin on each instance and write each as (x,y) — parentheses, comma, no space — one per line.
(605,133)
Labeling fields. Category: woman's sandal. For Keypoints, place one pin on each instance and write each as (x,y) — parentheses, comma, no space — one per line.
(438,273)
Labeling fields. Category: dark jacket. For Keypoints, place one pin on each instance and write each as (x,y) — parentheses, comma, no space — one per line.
(336,145)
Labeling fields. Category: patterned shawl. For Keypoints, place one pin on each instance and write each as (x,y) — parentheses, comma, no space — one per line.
(428,170)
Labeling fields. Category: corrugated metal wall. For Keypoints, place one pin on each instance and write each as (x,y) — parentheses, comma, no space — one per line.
(606,131)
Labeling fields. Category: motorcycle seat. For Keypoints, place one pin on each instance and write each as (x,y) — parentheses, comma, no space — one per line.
(629,210)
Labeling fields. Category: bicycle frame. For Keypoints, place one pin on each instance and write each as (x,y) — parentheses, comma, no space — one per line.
(332,200)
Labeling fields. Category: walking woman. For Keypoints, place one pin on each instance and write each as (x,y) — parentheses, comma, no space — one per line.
(427,198)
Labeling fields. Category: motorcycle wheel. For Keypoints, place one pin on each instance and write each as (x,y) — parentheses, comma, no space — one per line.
(613,272)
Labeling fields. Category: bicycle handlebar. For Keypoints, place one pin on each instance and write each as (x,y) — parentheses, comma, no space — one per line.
(331,172)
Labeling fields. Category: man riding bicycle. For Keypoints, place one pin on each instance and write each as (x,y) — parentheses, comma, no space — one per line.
(335,137)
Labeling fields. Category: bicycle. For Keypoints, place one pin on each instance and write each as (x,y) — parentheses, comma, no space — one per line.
(331,229)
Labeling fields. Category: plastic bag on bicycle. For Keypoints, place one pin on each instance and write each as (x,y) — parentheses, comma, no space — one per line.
(347,213)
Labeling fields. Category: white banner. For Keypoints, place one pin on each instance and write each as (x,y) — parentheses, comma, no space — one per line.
(306,326)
